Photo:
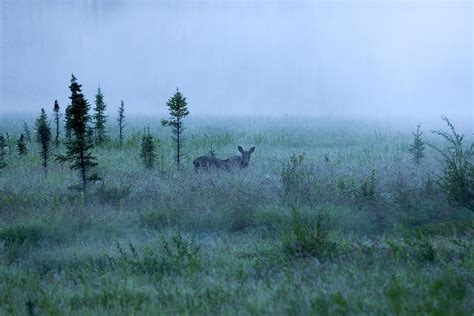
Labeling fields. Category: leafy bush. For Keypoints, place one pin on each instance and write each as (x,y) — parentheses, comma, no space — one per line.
(367,187)
(443,296)
(413,246)
(17,239)
(18,235)
(333,304)
(457,178)
(307,239)
(298,180)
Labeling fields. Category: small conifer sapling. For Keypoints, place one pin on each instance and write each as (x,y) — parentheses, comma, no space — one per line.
(43,137)
(79,146)
(9,143)
(21,146)
(121,121)
(418,147)
(178,110)
(26,131)
(100,119)
(147,149)
(3,145)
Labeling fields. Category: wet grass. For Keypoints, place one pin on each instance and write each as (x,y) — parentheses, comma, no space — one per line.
(355,228)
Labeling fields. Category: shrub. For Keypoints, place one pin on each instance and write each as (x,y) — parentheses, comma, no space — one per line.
(367,187)
(293,178)
(155,219)
(307,239)
(114,194)
(443,296)
(414,245)
(457,178)
(179,255)
(18,235)
(3,145)
(19,238)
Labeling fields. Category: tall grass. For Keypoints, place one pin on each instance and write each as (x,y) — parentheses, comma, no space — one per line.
(251,241)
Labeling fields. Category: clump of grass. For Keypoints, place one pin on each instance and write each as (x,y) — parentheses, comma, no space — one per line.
(367,187)
(21,234)
(155,219)
(17,239)
(307,239)
(295,178)
(333,304)
(110,193)
(443,296)
(414,246)
(179,255)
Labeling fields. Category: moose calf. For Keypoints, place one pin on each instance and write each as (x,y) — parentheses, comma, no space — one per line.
(233,162)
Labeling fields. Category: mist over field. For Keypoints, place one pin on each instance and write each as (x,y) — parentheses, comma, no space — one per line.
(343,58)
(317,158)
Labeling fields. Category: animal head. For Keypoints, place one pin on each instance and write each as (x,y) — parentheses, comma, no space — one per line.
(244,162)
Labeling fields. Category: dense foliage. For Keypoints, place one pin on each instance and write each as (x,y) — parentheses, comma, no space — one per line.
(43,137)
(22,148)
(100,119)
(178,110)
(418,146)
(457,178)
(147,149)
(79,145)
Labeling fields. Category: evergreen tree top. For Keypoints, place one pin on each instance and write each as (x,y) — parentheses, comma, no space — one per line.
(78,110)
(178,108)
(56,106)
(75,87)
(178,105)
(99,97)
(121,111)
(42,128)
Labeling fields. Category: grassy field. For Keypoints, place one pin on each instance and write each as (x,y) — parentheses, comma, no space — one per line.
(332,217)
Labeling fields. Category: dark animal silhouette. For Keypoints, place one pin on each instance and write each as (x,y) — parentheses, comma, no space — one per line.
(234,162)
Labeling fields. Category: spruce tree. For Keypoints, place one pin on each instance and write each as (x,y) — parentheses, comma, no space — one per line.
(121,121)
(178,109)
(67,122)
(9,143)
(3,145)
(43,136)
(26,131)
(100,118)
(78,147)
(418,146)
(56,121)
(147,149)
(21,146)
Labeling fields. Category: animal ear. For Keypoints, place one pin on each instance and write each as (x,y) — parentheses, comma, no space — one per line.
(252,149)
(240,149)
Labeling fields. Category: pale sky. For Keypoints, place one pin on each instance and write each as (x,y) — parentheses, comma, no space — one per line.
(350,58)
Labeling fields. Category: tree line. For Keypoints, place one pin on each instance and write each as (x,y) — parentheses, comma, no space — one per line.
(84,130)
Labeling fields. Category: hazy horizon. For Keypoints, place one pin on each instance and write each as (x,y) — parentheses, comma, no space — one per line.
(324,58)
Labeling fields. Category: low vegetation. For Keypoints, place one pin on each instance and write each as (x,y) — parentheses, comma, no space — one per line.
(328,218)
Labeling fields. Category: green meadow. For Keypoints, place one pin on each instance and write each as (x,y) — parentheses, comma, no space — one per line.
(331,217)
